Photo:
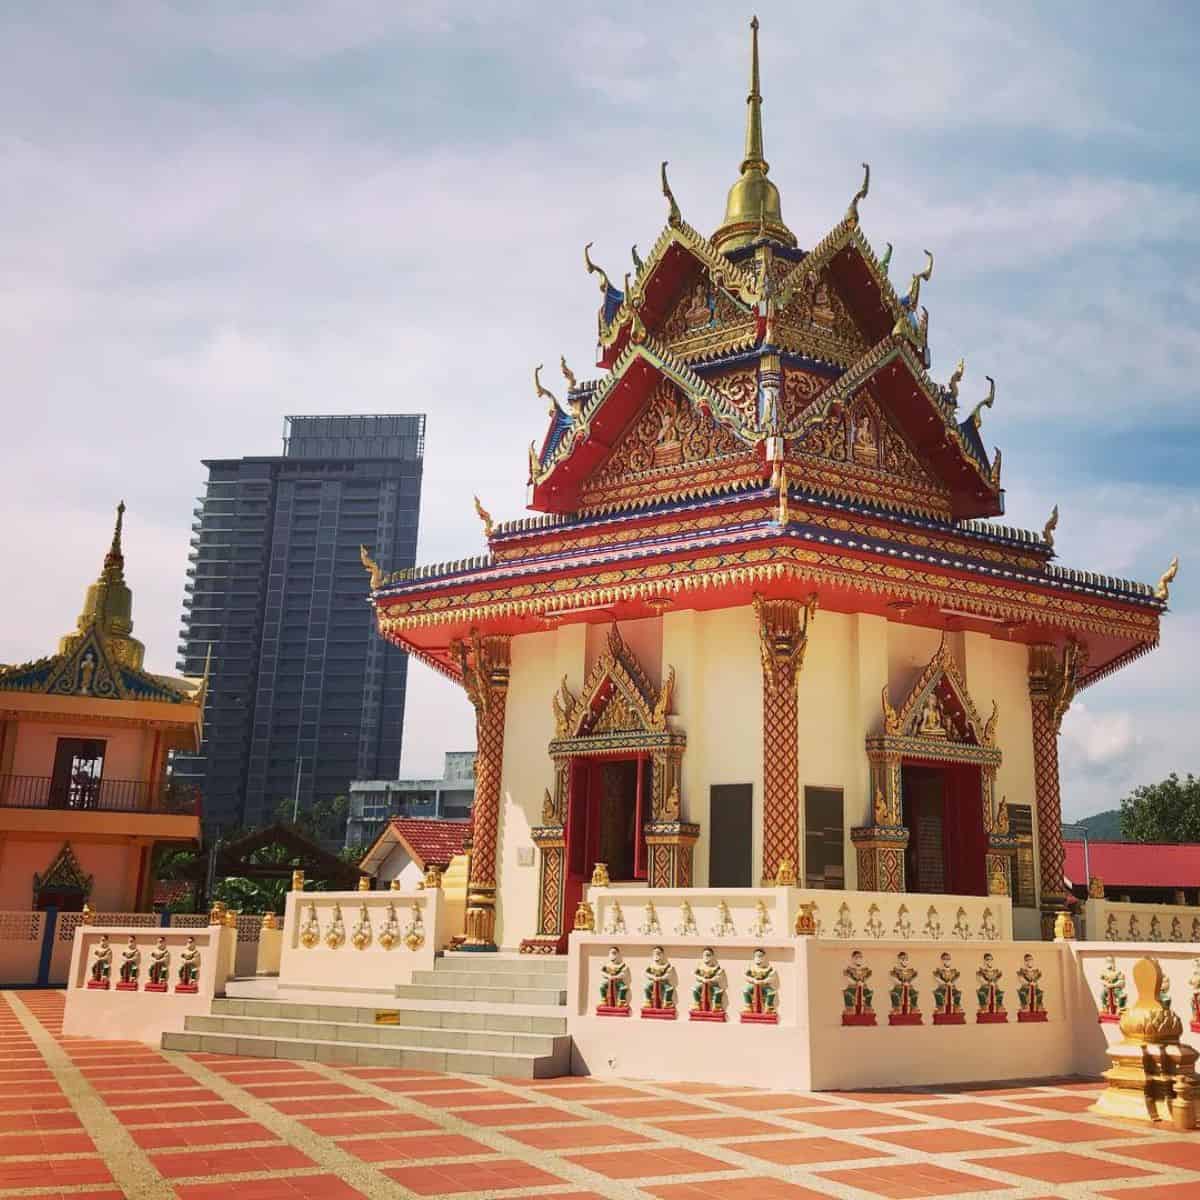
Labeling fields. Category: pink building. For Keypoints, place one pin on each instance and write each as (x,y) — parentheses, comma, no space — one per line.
(86,737)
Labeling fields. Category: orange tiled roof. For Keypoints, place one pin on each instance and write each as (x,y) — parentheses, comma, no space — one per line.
(432,841)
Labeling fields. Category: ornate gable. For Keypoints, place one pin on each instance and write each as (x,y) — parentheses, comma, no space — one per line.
(859,451)
(939,708)
(64,873)
(617,698)
(810,317)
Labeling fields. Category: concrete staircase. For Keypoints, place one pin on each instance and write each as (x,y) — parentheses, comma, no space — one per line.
(479,1014)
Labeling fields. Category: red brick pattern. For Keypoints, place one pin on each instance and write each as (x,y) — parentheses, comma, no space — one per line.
(386,1132)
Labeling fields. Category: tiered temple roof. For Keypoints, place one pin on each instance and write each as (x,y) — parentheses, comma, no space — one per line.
(766,422)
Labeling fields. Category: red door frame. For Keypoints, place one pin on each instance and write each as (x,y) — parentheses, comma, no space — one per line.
(582,828)
(964,839)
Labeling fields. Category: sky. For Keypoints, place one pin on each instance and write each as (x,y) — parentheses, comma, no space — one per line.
(212,215)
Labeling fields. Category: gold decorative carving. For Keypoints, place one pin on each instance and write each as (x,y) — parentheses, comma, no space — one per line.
(1056,679)
(585,918)
(600,875)
(1162,589)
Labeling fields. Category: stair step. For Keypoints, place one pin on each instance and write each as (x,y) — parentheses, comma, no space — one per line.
(482,995)
(520,964)
(364,1054)
(478,1020)
(405,1036)
(505,980)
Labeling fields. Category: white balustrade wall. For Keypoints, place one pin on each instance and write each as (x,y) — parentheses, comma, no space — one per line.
(839,915)
(141,1015)
(1127,921)
(810,1046)
(314,957)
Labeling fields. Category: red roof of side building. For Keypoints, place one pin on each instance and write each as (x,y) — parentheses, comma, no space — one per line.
(431,841)
(1136,864)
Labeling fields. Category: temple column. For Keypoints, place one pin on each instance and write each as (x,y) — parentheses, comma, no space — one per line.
(1052,686)
(783,639)
(485,664)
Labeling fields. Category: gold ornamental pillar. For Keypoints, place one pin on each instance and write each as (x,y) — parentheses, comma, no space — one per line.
(550,838)
(485,665)
(783,639)
(1052,684)
(879,848)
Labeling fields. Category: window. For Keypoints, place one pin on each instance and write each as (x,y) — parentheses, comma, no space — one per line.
(824,864)
(78,763)
(730,846)
(1020,825)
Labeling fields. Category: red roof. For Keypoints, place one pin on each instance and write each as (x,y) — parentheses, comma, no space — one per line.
(432,842)
(1136,864)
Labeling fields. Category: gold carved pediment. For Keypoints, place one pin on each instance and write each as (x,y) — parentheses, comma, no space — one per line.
(616,698)
(812,319)
(939,707)
(670,435)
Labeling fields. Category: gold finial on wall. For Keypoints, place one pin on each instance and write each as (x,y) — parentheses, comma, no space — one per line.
(371,566)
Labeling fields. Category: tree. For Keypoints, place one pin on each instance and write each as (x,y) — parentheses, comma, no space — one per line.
(323,821)
(1163,812)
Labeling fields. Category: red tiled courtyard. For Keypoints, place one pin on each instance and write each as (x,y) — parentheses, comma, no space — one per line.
(104,1120)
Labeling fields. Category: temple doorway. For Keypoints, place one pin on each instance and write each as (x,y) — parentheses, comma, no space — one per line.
(606,815)
(947,843)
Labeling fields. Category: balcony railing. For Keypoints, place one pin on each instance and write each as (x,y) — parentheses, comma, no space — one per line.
(99,795)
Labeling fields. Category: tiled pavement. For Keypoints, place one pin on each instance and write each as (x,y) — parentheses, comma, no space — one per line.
(104,1120)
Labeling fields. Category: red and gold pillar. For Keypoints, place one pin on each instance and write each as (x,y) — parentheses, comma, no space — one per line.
(1052,684)
(485,664)
(783,639)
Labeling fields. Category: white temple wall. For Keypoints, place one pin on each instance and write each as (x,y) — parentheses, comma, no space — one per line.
(718,704)
(538,662)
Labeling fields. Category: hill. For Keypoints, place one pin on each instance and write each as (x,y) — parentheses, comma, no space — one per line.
(1101,827)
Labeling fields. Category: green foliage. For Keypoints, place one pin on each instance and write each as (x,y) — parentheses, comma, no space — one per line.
(252,895)
(323,821)
(1163,812)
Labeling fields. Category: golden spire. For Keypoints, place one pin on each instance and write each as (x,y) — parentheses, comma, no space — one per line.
(108,606)
(753,203)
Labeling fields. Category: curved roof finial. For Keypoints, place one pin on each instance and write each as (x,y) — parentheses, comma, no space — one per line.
(674,216)
(976,417)
(593,269)
(861,194)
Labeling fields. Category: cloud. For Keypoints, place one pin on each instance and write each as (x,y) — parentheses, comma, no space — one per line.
(213,218)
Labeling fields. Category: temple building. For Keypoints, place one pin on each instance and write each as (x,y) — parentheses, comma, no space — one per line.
(86,737)
(764,625)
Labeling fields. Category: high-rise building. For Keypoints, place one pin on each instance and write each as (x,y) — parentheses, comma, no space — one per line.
(304,696)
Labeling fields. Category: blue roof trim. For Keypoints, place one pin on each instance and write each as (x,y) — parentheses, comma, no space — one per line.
(613,299)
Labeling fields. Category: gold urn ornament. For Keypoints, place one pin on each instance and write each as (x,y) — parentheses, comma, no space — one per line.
(600,875)
(585,918)
(297,881)
(1153,1076)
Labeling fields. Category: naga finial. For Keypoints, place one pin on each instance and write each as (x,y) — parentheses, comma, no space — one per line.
(544,392)
(674,217)
(914,288)
(956,375)
(1050,526)
(976,417)
(595,270)
(638,265)
(371,566)
(886,260)
(535,463)
(1162,590)
(861,194)
(486,517)
(568,374)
